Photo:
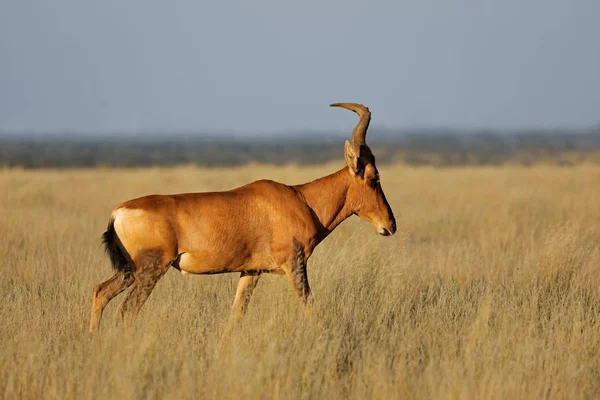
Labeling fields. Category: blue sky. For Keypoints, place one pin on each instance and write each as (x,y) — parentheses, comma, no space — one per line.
(270,66)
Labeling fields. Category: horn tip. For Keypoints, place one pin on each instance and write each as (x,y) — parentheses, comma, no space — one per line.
(351,106)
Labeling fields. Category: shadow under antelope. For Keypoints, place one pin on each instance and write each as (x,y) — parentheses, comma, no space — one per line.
(262,227)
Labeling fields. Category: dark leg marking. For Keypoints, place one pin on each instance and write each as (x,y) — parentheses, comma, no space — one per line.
(150,268)
(297,273)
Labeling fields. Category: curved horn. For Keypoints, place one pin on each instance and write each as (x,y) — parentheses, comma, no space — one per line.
(360,132)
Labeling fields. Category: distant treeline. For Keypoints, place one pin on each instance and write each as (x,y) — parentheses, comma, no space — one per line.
(418,148)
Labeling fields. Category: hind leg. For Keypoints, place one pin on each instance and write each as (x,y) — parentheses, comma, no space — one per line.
(105,292)
(152,267)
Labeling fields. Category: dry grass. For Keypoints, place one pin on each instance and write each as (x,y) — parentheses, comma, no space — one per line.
(491,289)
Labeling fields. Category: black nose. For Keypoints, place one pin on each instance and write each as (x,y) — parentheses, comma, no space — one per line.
(393,226)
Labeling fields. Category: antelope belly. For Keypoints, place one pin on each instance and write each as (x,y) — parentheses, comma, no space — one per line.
(206,263)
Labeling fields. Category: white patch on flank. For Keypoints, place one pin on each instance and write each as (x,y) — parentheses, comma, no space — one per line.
(120,216)
(118,222)
(184,262)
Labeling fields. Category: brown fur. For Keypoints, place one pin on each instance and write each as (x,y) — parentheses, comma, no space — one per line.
(264,226)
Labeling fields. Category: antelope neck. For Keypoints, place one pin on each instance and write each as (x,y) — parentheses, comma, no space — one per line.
(327,197)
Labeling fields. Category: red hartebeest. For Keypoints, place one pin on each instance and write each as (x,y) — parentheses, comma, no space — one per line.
(264,226)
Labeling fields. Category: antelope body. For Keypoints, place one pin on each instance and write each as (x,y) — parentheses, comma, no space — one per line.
(261,227)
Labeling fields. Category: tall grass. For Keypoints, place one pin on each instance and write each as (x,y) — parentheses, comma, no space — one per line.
(490,289)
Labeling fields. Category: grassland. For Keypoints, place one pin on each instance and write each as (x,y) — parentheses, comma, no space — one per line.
(490,289)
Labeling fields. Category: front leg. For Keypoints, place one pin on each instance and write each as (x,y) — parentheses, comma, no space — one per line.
(297,277)
(245,287)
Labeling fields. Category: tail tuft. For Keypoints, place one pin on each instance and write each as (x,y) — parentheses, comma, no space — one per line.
(119,257)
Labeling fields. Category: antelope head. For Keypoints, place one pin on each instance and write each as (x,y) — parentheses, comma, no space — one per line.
(365,195)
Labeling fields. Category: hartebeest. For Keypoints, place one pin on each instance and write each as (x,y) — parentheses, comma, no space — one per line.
(264,226)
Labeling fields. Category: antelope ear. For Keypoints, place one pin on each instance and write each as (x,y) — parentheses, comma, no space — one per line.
(351,158)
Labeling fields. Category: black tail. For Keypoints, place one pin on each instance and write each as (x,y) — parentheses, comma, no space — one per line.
(119,257)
